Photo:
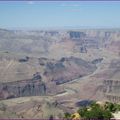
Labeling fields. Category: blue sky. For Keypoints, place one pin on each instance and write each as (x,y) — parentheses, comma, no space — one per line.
(30,14)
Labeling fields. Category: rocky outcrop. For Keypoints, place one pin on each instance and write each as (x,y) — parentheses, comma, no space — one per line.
(76,35)
(24,59)
(42,41)
(98,60)
(31,87)
(68,69)
(111,90)
(59,45)
(113,98)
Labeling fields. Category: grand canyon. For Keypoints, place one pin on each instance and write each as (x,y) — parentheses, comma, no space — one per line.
(49,72)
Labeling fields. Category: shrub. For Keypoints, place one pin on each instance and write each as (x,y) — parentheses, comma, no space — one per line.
(94,111)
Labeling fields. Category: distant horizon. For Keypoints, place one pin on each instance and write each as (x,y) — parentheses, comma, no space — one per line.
(59,28)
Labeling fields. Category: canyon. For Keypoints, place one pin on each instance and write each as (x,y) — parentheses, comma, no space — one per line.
(62,66)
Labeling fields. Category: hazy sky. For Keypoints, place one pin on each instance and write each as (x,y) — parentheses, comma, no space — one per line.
(59,14)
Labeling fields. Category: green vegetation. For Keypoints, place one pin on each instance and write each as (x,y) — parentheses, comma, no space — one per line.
(112,107)
(67,115)
(97,111)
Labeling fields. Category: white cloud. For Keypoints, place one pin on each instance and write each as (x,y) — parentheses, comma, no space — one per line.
(70,5)
(30,2)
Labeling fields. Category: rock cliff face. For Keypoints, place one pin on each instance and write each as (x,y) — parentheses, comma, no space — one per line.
(111,90)
(111,87)
(76,35)
(68,69)
(44,42)
(32,87)
(48,52)
(49,74)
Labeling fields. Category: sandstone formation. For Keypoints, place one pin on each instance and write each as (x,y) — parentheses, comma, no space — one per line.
(68,65)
